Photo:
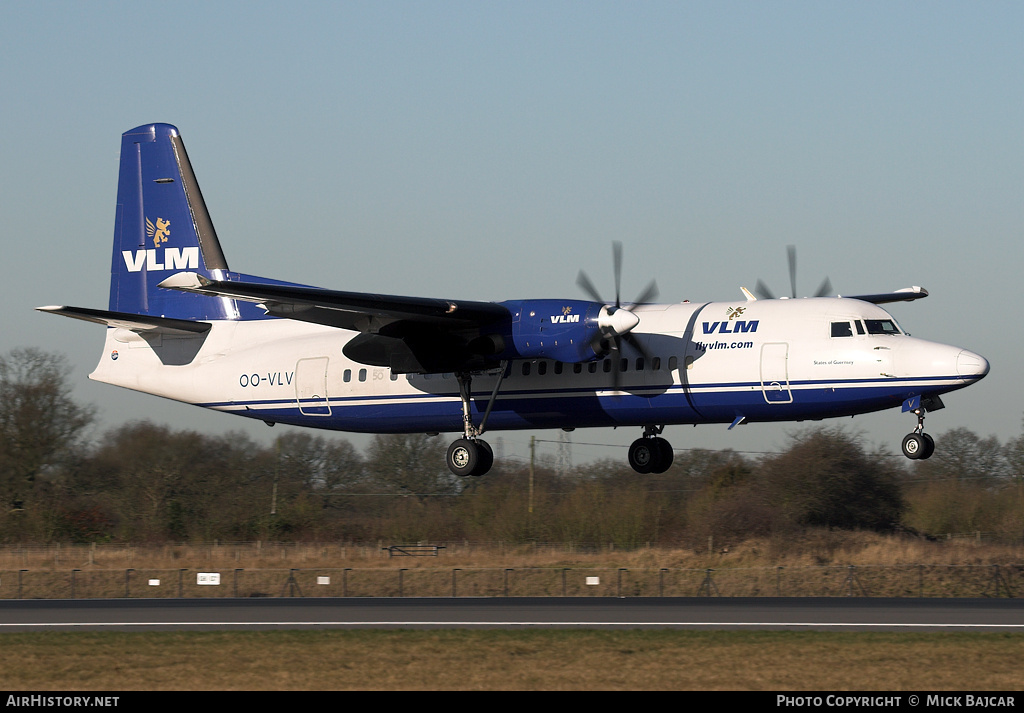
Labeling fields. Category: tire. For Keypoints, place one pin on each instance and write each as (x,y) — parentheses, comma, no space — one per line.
(486,458)
(914,446)
(463,457)
(644,455)
(929,447)
(665,455)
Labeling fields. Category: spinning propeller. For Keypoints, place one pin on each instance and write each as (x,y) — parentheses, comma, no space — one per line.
(616,321)
(824,289)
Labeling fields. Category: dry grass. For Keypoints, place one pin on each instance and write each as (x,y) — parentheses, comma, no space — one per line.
(510,660)
(815,564)
(815,548)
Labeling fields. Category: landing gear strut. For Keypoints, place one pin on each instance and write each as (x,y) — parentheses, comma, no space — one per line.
(470,455)
(651,453)
(918,445)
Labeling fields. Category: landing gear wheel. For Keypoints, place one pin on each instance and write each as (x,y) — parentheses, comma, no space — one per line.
(486,458)
(665,453)
(915,446)
(470,457)
(645,455)
(463,457)
(929,447)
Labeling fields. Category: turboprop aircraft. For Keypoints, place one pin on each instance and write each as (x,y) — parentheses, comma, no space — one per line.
(181,325)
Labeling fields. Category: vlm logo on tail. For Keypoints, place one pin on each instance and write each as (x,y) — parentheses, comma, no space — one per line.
(158,232)
(171,258)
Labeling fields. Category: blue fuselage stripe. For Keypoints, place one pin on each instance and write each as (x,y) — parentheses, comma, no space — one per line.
(585,407)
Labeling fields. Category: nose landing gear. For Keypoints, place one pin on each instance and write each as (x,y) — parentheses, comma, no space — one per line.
(918,445)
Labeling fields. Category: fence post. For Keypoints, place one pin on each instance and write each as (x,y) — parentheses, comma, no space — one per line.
(20,572)
(661,582)
(618,587)
(344,581)
(235,585)
(400,574)
(73,582)
(565,590)
(453,583)
(506,580)
(778,581)
(181,584)
(127,583)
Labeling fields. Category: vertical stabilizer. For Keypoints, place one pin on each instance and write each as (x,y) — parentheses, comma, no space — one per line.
(162,227)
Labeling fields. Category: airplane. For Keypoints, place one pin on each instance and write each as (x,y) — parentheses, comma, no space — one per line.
(181,325)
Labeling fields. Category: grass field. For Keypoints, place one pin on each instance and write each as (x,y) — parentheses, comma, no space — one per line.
(510,660)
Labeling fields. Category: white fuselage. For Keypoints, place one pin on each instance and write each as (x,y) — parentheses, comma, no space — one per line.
(719,362)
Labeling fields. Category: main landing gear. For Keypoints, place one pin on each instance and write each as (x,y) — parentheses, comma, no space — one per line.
(918,445)
(651,453)
(471,455)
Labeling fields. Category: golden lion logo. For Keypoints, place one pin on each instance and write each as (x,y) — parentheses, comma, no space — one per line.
(158,232)
(567,311)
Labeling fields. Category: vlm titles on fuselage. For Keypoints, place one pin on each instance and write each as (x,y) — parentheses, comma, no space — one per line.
(182,325)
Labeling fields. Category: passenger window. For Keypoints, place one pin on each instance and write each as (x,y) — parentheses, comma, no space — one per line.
(841,329)
(394,376)
(673,362)
(639,363)
(542,368)
(347,376)
(860,327)
(362,374)
(526,368)
(656,364)
(592,367)
(623,364)
(577,368)
(607,366)
(558,367)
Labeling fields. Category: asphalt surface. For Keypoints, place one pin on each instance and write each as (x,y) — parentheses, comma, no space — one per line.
(837,614)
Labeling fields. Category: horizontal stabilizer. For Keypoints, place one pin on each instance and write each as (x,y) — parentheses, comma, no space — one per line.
(907,294)
(134,322)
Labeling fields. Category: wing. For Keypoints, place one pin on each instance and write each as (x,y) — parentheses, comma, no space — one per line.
(907,294)
(405,334)
(357,311)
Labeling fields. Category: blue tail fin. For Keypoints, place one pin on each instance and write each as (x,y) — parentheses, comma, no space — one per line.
(162,227)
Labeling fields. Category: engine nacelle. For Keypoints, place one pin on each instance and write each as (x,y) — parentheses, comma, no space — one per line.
(563,330)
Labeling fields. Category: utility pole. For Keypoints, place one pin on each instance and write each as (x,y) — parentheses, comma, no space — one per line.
(532,450)
(277,468)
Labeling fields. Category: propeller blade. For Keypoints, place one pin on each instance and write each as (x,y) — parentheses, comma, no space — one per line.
(762,291)
(617,266)
(636,344)
(825,289)
(587,286)
(613,354)
(791,254)
(650,292)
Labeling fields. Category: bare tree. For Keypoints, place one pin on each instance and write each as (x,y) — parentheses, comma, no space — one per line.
(40,422)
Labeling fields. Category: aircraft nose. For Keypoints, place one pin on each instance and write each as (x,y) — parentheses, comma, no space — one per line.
(970,365)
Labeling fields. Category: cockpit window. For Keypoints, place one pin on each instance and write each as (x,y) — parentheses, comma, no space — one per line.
(841,329)
(882,326)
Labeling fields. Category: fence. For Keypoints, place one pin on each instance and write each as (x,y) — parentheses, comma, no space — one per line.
(824,581)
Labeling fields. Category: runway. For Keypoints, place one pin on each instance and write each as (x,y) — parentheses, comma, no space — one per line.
(849,614)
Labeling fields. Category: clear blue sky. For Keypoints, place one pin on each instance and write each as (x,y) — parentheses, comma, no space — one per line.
(489,150)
